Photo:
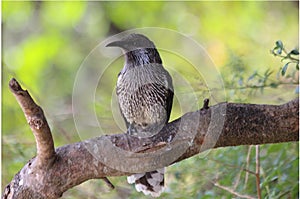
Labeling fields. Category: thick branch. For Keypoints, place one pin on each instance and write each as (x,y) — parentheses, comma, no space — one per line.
(225,124)
(38,124)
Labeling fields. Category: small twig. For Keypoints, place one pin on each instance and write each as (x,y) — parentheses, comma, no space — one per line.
(205,104)
(63,132)
(232,191)
(237,181)
(257,172)
(233,166)
(38,124)
(280,83)
(247,165)
(262,86)
(108,183)
(295,60)
(266,187)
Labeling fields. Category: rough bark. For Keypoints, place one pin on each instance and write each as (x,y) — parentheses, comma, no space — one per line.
(50,174)
(38,124)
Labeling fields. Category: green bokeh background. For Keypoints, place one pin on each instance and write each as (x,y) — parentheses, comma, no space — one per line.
(44,44)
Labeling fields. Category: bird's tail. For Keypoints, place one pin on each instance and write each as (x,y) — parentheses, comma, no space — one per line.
(149,183)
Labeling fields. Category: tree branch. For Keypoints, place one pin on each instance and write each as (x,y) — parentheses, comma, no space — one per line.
(38,124)
(224,124)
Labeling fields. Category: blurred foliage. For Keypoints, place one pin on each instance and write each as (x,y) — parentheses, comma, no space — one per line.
(241,82)
(44,44)
(289,57)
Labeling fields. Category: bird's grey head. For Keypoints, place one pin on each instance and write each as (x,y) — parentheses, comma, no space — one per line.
(132,42)
(138,50)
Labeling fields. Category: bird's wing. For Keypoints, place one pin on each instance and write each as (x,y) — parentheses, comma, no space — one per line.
(170,95)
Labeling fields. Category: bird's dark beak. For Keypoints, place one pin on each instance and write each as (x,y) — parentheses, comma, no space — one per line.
(115,44)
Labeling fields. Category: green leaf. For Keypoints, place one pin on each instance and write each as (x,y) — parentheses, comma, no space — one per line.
(252,76)
(279,51)
(294,52)
(283,70)
(279,44)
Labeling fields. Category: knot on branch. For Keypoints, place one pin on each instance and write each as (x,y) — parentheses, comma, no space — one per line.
(35,122)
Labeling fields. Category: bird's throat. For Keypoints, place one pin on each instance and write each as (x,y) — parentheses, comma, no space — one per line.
(140,57)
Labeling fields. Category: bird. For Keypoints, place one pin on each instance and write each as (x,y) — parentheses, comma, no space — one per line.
(145,95)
